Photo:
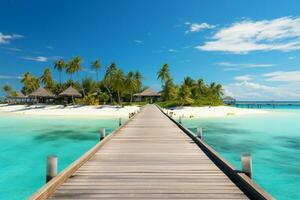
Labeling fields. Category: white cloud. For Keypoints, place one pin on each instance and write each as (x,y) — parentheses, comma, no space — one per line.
(283,76)
(281,34)
(37,58)
(9,77)
(247,90)
(196,27)
(239,66)
(243,78)
(138,41)
(5,39)
(14,49)
(173,50)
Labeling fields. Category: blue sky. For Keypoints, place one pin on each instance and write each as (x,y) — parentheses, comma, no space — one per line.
(251,47)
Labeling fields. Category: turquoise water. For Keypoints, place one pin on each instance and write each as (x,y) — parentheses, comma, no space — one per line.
(273,139)
(26,141)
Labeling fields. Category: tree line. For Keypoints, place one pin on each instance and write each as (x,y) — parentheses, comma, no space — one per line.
(117,86)
(189,92)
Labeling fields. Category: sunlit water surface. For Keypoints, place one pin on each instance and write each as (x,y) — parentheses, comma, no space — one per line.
(273,139)
(25,141)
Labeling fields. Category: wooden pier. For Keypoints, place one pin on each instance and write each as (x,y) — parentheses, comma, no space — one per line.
(151,157)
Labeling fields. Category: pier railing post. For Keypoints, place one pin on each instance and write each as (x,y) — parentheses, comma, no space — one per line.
(247,164)
(51,170)
(102,134)
(120,121)
(199,133)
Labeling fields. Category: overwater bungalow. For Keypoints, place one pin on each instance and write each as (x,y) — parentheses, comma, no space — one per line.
(147,95)
(42,95)
(229,100)
(69,94)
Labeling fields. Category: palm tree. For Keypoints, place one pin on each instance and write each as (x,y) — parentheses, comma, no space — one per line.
(188,81)
(118,80)
(130,84)
(46,79)
(164,74)
(96,65)
(7,89)
(219,90)
(199,88)
(107,81)
(184,94)
(74,66)
(59,65)
(216,89)
(89,85)
(30,83)
(138,79)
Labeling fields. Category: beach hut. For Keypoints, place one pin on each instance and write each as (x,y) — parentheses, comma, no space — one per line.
(147,95)
(229,100)
(69,94)
(17,97)
(42,95)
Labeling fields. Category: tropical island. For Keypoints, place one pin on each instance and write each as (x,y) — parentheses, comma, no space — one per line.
(124,91)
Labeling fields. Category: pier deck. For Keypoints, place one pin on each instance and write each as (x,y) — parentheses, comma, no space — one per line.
(148,158)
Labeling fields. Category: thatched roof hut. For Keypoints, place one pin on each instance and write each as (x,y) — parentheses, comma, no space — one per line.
(41,93)
(148,93)
(70,92)
(17,95)
(229,100)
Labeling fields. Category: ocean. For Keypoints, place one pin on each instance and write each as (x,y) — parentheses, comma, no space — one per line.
(273,139)
(25,142)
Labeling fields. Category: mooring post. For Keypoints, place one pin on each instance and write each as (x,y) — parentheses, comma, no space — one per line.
(247,164)
(51,170)
(199,133)
(102,134)
(120,121)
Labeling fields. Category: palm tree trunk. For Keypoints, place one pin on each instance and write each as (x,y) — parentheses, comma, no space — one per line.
(97,76)
(60,77)
(119,99)
(109,92)
(131,97)
(80,84)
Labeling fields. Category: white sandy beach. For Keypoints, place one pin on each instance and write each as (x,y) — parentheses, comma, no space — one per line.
(74,111)
(117,111)
(212,111)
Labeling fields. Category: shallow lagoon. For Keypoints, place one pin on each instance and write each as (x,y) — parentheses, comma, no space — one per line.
(273,139)
(25,141)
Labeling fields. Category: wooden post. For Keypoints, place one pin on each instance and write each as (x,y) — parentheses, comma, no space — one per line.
(102,134)
(51,170)
(247,164)
(199,133)
(120,121)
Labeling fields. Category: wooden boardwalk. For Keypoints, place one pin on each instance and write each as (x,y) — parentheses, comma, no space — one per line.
(149,158)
